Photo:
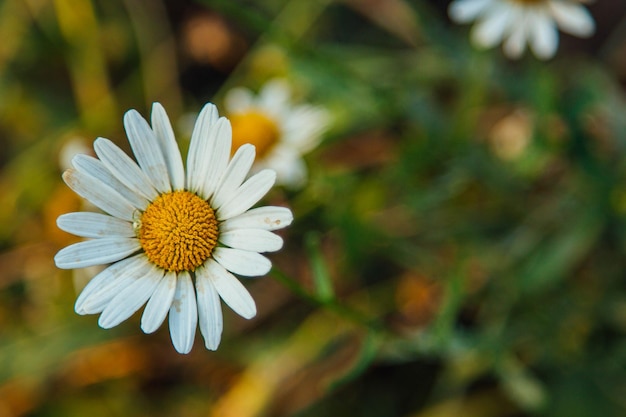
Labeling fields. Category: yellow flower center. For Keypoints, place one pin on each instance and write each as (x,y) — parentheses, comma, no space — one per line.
(256,128)
(178,231)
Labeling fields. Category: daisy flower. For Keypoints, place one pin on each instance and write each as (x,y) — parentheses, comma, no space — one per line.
(173,238)
(282,132)
(517,22)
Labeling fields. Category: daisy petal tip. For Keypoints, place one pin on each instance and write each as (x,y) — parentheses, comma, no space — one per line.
(104,323)
(80,309)
(68,173)
(60,261)
(278,245)
(288,217)
(182,352)
(156,106)
(213,344)
(270,174)
(148,327)
(224,127)
(182,347)
(247,147)
(456,13)
(132,119)
(60,221)
(100,141)
(268,178)
(130,115)
(209,109)
(250,314)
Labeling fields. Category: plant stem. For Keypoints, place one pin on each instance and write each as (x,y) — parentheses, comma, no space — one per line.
(331,304)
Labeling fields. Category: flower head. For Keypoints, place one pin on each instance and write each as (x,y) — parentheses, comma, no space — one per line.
(517,22)
(281,131)
(173,238)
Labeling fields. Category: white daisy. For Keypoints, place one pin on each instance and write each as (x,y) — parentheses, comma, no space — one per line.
(173,239)
(282,132)
(517,22)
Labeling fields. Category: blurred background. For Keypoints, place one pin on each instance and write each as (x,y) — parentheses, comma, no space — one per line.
(458,246)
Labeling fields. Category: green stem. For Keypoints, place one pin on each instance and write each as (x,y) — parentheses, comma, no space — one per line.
(331,304)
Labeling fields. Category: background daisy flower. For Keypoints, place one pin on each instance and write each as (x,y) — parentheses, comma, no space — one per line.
(281,131)
(173,238)
(517,22)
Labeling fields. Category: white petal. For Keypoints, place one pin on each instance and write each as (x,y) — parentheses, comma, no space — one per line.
(255,240)
(147,150)
(516,42)
(544,38)
(274,97)
(96,168)
(246,263)
(489,31)
(130,299)
(124,168)
(234,294)
(238,100)
(217,157)
(248,194)
(183,315)
(266,218)
(574,19)
(167,141)
(235,174)
(464,11)
(198,147)
(94,225)
(98,295)
(304,127)
(209,309)
(159,304)
(96,252)
(288,164)
(99,194)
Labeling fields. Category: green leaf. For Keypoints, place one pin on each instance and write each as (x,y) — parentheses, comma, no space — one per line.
(319,269)
(365,357)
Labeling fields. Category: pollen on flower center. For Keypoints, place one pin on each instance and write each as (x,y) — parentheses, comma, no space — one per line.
(256,128)
(178,231)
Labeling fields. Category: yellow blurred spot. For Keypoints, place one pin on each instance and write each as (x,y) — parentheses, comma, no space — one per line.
(511,135)
(87,66)
(249,395)
(268,62)
(268,373)
(256,128)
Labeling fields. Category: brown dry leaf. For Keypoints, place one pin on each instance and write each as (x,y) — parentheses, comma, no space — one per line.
(102,362)
(18,397)
(418,299)
(368,149)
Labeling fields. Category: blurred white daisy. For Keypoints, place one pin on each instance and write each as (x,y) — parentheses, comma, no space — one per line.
(173,239)
(517,22)
(281,131)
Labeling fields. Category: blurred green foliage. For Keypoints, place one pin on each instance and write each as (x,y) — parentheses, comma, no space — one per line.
(459,249)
